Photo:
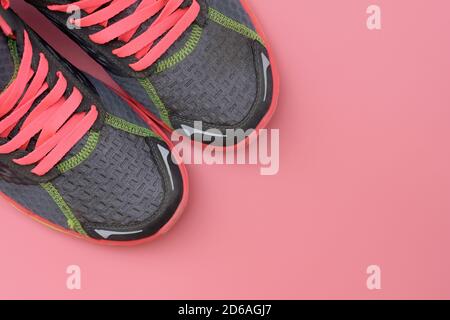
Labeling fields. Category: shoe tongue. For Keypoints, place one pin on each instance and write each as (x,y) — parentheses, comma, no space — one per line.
(6,63)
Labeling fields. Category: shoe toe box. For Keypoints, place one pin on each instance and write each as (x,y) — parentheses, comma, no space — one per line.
(128,189)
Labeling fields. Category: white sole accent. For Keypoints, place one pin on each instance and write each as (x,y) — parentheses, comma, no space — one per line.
(165,154)
(191,131)
(106,233)
(266,65)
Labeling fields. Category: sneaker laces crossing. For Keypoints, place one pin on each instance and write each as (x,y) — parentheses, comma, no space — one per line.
(173,20)
(54,119)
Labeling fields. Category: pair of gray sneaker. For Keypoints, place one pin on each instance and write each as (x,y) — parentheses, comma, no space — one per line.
(97,163)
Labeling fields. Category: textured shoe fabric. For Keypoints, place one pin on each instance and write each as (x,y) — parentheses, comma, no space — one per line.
(117,184)
(218,72)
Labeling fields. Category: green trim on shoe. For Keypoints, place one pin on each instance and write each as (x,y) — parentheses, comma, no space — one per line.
(183,53)
(187,49)
(153,95)
(81,156)
(229,23)
(12,45)
(129,127)
(94,137)
(72,221)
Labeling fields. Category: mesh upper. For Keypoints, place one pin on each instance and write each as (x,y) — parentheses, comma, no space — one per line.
(232,9)
(118,185)
(35,199)
(216,83)
(6,63)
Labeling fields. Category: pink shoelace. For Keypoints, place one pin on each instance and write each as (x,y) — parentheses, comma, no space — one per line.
(54,118)
(171,23)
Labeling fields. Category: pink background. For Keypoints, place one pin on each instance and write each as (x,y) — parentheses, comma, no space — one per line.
(365,176)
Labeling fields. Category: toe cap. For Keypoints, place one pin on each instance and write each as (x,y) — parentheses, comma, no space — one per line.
(225,83)
(128,189)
